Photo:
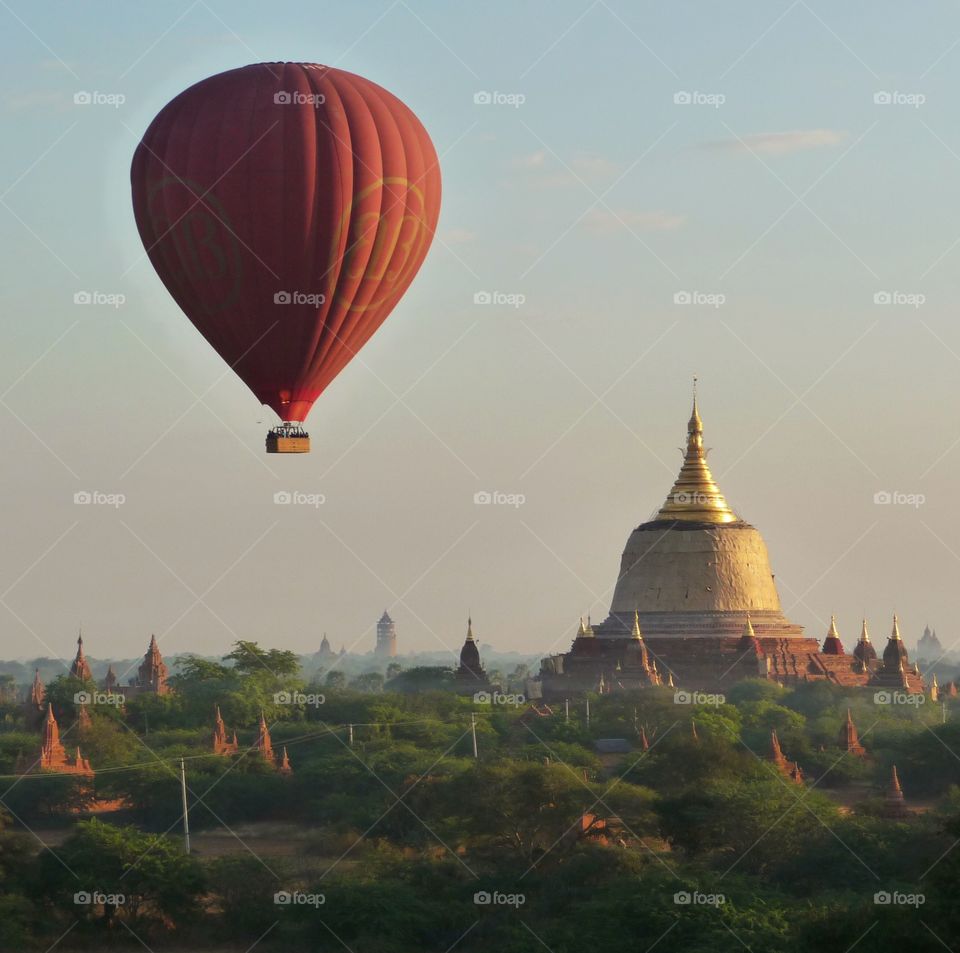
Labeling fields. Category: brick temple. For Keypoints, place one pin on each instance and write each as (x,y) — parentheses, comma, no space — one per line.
(696,605)
(53,755)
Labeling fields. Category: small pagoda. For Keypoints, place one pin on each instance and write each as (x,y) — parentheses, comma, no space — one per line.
(152,673)
(850,739)
(221,743)
(53,755)
(80,667)
(894,804)
(789,769)
(264,746)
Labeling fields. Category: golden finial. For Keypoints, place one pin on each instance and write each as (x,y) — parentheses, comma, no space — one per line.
(864,634)
(748,632)
(895,634)
(695,496)
(636,625)
(470,637)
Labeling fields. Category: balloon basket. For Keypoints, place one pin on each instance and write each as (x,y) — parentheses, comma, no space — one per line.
(288,439)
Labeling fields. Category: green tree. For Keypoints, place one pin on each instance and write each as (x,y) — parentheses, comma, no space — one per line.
(371,682)
(146,878)
(336,681)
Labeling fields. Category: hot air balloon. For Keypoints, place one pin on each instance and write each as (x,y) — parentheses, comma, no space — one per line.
(286,207)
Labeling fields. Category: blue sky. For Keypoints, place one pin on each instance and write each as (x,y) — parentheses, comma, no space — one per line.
(784,201)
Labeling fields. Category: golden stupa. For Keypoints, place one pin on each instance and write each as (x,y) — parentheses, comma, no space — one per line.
(697,566)
(695,496)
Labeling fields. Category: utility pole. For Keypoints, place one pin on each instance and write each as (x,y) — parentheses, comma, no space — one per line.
(350,734)
(566,710)
(186,819)
(473,733)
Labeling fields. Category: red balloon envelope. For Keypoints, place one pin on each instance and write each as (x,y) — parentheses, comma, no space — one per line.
(286,207)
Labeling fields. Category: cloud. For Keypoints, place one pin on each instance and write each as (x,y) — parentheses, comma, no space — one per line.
(536,160)
(780,143)
(548,173)
(458,236)
(594,167)
(39,100)
(602,222)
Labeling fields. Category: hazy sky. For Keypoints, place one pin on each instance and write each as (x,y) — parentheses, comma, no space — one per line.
(782,185)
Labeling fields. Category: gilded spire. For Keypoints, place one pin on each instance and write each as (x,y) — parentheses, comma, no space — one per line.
(895,634)
(470,637)
(695,496)
(748,632)
(864,634)
(636,625)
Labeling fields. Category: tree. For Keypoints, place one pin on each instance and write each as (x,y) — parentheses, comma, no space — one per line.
(142,878)
(422,678)
(251,661)
(533,808)
(336,681)
(15,908)
(368,682)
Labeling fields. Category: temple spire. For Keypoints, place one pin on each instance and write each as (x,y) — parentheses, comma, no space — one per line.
(636,633)
(832,644)
(81,667)
(695,496)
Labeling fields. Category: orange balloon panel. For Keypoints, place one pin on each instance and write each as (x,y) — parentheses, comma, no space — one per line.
(286,207)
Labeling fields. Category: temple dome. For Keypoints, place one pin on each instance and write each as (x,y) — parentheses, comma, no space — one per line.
(693,568)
